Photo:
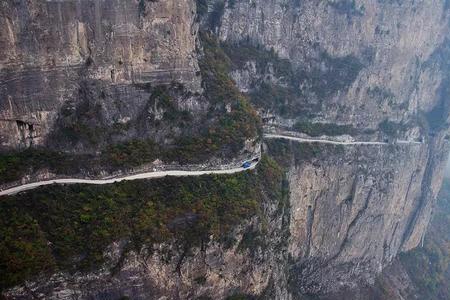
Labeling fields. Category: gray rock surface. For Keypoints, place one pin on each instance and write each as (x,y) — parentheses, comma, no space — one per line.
(56,52)
(392,41)
(352,208)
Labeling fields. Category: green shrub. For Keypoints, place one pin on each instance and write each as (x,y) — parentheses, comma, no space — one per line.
(317,129)
(200,280)
(391,128)
(381,95)
(202,7)
(130,154)
(325,77)
(221,133)
(14,165)
(339,74)
(244,51)
(271,96)
(232,128)
(216,14)
(47,229)
(285,152)
(23,247)
(252,240)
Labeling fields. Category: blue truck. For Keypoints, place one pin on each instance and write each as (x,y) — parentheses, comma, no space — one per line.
(246,165)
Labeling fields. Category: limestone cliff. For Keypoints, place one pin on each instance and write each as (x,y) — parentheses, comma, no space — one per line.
(53,49)
(361,64)
(88,81)
(358,62)
(354,208)
(341,70)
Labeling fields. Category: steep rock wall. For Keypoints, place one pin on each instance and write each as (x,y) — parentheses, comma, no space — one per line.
(215,262)
(360,62)
(56,51)
(354,208)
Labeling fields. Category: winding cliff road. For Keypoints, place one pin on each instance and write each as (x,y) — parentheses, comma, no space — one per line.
(324,141)
(146,175)
(180,173)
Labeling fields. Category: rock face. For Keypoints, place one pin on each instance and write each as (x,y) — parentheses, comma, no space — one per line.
(354,209)
(361,63)
(56,52)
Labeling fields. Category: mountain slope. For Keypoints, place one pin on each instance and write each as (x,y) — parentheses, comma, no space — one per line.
(93,89)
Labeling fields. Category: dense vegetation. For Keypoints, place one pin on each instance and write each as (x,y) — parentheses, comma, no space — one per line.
(244,51)
(231,120)
(336,74)
(393,129)
(317,129)
(278,87)
(202,7)
(222,132)
(276,97)
(69,227)
(381,95)
(288,152)
(14,165)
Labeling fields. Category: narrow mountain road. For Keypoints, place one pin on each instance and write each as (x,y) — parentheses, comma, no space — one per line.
(147,175)
(179,173)
(323,141)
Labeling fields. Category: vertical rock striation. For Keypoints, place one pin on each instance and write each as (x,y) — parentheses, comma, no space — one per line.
(372,65)
(52,51)
(358,62)
(378,67)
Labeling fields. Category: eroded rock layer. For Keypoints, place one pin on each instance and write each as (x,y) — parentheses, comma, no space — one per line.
(343,71)
(55,52)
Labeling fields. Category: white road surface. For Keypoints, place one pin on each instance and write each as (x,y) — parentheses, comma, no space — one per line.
(175,173)
(323,141)
(147,175)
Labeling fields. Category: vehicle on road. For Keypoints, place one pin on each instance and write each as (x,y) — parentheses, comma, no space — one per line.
(246,165)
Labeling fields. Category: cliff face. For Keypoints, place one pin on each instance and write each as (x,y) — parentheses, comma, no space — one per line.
(422,273)
(161,240)
(357,62)
(354,208)
(363,64)
(93,78)
(371,70)
(56,52)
